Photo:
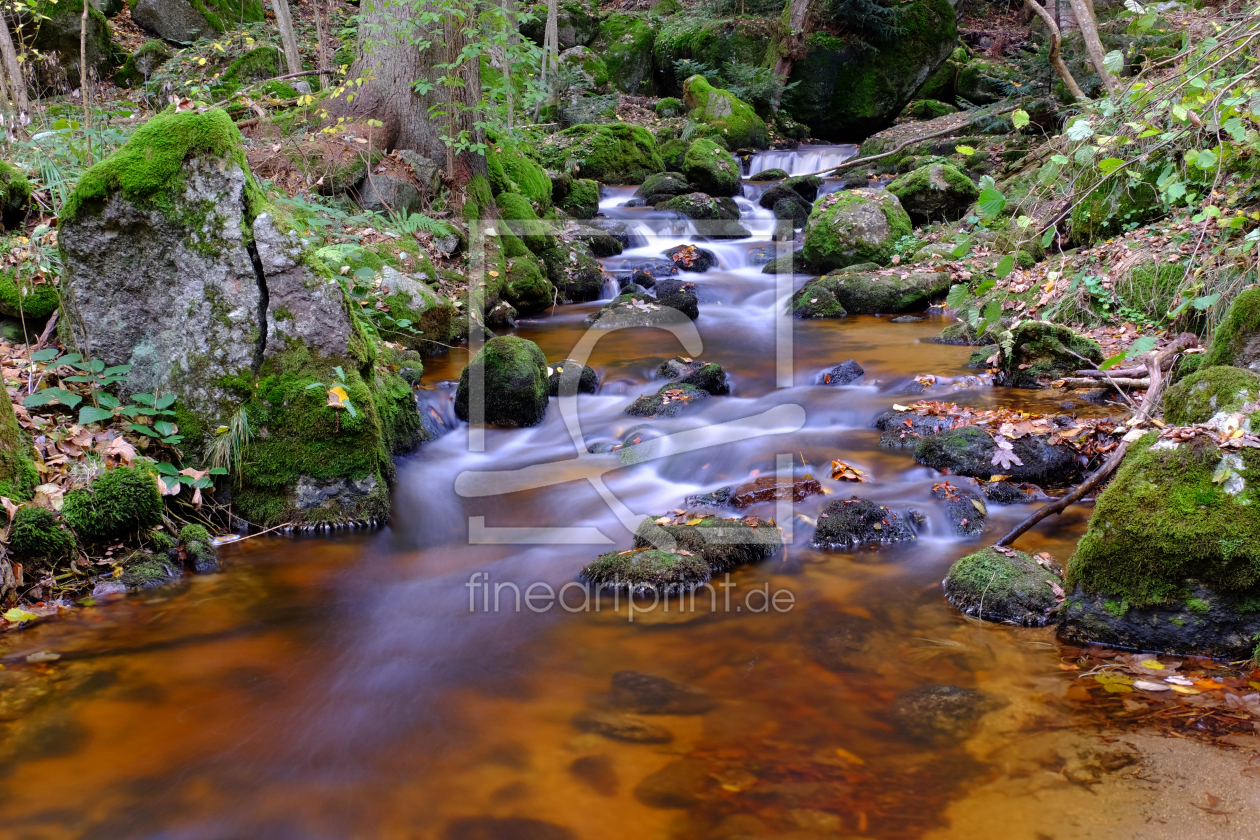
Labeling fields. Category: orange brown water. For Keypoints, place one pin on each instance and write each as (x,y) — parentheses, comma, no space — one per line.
(342,688)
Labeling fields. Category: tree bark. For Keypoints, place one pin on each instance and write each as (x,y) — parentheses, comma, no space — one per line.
(392,64)
(793,45)
(1056,41)
(321,52)
(84,93)
(1084,12)
(288,38)
(551,53)
(17,81)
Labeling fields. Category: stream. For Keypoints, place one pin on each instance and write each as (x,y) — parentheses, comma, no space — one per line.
(342,687)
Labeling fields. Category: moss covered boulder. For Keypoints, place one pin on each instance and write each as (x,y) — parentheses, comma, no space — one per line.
(432,320)
(707,376)
(568,377)
(182,21)
(670,400)
(155,242)
(199,548)
(1209,391)
(512,170)
(711,168)
(586,64)
(670,555)
(854,227)
(609,154)
(506,384)
(969,451)
(59,35)
(1114,207)
(521,219)
(1171,560)
(663,184)
(573,270)
(625,43)
(854,522)
(935,193)
(870,293)
(141,64)
(725,113)
(846,90)
(15,196)
(580,200)
(1237,340)
(1011,588)
(1041,352)
(982,82)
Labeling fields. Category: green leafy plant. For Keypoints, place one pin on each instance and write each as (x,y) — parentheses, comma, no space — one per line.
(338,397)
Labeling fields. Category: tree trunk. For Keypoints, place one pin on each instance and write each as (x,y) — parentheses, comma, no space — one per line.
(1056,40)
(17,81)
(793,45)
(84,93)
(321,51)
(393,64)
(1084,12)
(551,52)
(288,38)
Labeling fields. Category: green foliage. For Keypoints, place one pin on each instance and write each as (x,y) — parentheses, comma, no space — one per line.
(869,19)
(610,154)
(513,170)
(119,502)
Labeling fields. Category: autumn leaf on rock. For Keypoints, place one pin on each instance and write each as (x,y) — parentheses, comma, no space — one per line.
(1003,456)
(337,397)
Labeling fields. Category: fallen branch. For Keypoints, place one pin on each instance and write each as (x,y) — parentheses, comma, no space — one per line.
(1154,366)
(1105,374)
(910,142)
(1118,381)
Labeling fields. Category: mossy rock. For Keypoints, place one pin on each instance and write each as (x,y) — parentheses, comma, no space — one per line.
(15,196)
(983,82)
(587,63)
(664,183)
(854,523)
(514,171)
(256,65)
(187,20)
(870,293)
(514,379)
(928,109)
(968,451)
(854,227)
(521,219)
(582,199)
(1011,589)
(848,90)
(625,43)
(702,207)
(935,193)
(610,154)
(721,110)
(681,557)
(38,540)
(712,39)
(568,377)
(527,287)
(1199,396)
(59,35)
(674,154)
(711,168)
(669,107)
(199,548)
(144,570)
(707,376)
(1177,529)
(906,428)
(142,63)
(19,299)
(965,510)
(1114,207)
(1042,352)
(573,269)
(1237,340)
(119,502)
(435,321)
(669,401)
(637,309)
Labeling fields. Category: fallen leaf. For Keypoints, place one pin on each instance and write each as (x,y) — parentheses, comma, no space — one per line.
(15,615)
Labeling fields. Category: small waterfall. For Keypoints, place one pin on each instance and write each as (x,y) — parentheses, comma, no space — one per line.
(801,161)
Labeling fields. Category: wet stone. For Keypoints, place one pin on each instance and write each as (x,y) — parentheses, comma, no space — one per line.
(692,258)
(844,373)
(507,828)
(720,497)
(682,784)
(838,645)
(645,694)
(573,377)
(857,522)
(1005,493)
(942,714)
(622,728)
(965,510)
(768,488)
(707,376)
(907,319)
(597,773)
(669,401)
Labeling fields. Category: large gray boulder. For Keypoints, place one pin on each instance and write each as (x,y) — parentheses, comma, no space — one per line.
(59,35)
(172,20)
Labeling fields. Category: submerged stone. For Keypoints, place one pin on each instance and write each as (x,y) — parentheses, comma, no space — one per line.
(942,714)
(622,728)
(1008,588)
(569,377)
(844,373)
(646,694)
(854,522)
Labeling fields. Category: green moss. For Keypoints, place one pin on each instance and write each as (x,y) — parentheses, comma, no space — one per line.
(582,200)
(162,541)
(610,154)
(18,476)
(524,222)
(710,40)
(997,587)
(674,154)
(669,107)
(1115,205)
(872,294)
(119,502)
(711,168)
(24,300)
(1042,352)
(142,570)
(515,383)
(1116,608)
(514,171)
(38,540)
(1196,605)
(1232,343)
(845,229)
(15,195)
(141,64)
(262,62)
(1164,521)
(527,287)
(223,15)
(148,169)
(726,113)
(1196,398)
(625,44)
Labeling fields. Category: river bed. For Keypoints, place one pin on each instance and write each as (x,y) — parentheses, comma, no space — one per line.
(363,685)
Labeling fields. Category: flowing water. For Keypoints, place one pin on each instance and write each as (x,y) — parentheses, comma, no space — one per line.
(363,686)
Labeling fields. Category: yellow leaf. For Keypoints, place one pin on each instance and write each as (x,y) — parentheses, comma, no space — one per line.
(493,273)
(1153,664)
(1185,689)
(15,615)
(900,407)
(337,397)
(201,62)
(694,521)
(848,756)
